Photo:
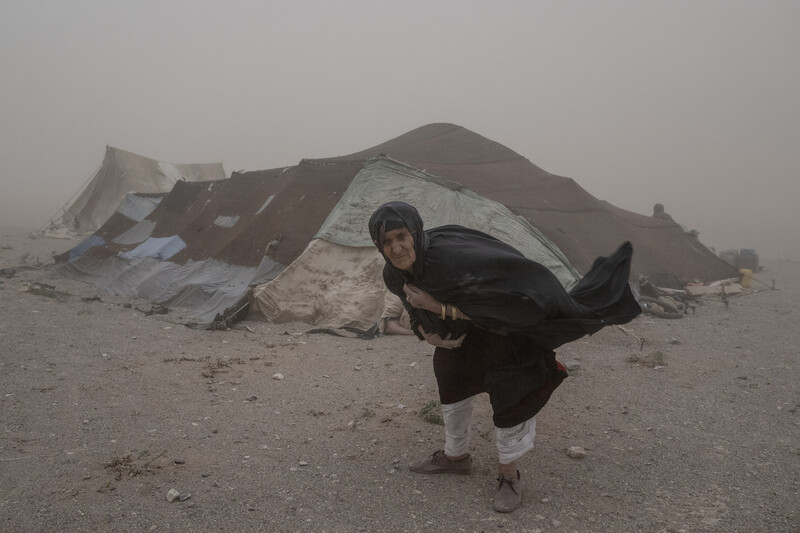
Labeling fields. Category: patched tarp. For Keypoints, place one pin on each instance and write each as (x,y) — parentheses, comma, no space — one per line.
(298,234)
(581,225)
(439,201)
(337,281)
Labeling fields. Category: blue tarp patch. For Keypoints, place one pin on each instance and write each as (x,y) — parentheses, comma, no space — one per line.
(85,246)
(161,248)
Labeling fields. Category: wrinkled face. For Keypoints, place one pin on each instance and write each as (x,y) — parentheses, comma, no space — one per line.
(398,247)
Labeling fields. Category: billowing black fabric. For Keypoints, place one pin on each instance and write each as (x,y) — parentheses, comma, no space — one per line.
(500,289)
(519,310)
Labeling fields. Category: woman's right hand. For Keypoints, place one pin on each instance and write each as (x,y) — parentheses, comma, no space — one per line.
(420,299)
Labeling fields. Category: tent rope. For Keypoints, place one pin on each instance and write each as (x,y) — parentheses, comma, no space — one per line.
(63,208)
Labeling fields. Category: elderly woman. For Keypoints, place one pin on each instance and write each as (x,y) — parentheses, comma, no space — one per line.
(495,318)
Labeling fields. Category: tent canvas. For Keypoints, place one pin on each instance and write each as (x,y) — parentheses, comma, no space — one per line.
(186,260)
(343,251)
(298,234)
(121,173)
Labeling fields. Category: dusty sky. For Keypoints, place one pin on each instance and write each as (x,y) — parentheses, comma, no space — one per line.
(694,104)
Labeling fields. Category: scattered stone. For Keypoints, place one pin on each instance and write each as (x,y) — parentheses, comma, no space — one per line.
(184,496)
(576,452)
(652,360)
(251,399)
(179,461)
(556,523)
(277,376)
(172,495)
(303,463)
(572,366)
(270,345)
(357,368)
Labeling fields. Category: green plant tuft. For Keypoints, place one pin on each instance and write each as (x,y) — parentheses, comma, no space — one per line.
(431,412)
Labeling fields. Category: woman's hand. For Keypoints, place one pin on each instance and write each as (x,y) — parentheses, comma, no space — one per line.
(421,300)
(435,340)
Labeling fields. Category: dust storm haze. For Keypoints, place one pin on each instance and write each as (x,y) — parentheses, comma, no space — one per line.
(691,104)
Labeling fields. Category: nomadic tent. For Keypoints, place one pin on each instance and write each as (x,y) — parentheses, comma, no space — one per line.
(121,173)
(297,236)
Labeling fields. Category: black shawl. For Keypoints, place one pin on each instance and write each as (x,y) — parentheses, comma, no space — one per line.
(499,288)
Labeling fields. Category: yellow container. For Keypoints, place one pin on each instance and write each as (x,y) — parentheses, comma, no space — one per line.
(747,277)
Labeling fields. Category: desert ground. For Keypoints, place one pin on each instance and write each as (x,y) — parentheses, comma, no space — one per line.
(688,425)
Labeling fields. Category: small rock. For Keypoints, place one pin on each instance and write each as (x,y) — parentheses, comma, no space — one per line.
(556,523)
(270,345)
(172,495)
(184,496)
(277,376)
(179,461)
(357,368)
(572,366)
(303,463)
(652,359)
(576,452)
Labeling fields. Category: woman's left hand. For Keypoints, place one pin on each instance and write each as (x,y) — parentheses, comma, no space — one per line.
(421,300)
(435,340)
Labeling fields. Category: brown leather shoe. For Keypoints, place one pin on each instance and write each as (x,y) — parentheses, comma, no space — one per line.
(509,493)
(438,463)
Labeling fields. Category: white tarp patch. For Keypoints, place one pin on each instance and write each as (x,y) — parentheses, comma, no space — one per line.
(226,222)
(269,200)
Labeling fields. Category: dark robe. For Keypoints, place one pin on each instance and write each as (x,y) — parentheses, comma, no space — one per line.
(506,296)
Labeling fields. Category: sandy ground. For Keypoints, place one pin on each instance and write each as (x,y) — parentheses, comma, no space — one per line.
(105,408)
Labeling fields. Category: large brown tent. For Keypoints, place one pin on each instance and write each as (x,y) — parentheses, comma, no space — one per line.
(298,234)
(582,226)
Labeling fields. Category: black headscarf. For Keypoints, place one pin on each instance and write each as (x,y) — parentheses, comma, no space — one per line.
(498,287)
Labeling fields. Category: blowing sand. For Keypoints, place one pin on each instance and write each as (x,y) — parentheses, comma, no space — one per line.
(105,408)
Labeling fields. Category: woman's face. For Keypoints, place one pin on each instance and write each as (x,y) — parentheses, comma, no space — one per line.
(398,247)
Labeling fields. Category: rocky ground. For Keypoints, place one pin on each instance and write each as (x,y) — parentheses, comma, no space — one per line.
(688,425)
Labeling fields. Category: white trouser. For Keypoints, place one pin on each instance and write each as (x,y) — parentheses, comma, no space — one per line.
(512,443)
